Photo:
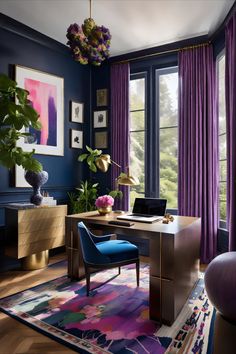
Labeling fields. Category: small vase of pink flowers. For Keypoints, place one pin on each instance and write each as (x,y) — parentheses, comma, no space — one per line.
(104,204)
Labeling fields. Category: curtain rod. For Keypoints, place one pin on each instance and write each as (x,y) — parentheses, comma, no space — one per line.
(164,52)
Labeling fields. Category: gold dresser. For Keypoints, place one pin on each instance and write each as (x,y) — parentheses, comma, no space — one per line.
(30,233)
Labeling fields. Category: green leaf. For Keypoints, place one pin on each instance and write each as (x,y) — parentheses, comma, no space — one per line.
(6,84)
(113,194)
(26,134)
(82,157)
(21,95)
(93,167)
(19,159)
(29,112)
(6,159)
(90,159)
(120,194)
(116,194)
(80,189)
(89,149)
(37,125)
(32,164)
(122,174)
(97,152)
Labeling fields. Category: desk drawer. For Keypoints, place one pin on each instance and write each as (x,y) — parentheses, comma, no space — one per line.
(31,231)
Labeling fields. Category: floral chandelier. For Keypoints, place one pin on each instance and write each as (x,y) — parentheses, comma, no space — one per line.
(89,43)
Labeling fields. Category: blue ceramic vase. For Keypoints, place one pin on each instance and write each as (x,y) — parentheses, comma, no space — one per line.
(36,180)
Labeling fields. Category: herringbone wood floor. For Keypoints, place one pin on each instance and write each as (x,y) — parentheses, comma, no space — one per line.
(15,337)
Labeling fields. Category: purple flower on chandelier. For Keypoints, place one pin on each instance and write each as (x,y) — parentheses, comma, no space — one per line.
(89,43)
(74,29)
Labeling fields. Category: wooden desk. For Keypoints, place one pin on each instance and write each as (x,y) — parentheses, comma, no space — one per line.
(174,257)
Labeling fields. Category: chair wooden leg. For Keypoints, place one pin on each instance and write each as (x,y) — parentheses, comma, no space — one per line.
(137,272)
(119,270)
(87,275)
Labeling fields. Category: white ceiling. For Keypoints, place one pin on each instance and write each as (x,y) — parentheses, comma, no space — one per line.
(134,24)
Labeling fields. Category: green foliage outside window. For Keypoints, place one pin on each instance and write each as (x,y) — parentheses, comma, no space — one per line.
(168,140)
(222,139)
(137,137)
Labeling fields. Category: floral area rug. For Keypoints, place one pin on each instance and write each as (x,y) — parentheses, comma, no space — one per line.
(115,318)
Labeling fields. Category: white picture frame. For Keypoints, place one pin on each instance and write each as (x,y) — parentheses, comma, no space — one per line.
(77,112)
(20,181)
(47,97)
(100,119)
(76,139)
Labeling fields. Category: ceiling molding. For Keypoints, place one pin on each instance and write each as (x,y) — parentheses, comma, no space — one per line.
(9,24)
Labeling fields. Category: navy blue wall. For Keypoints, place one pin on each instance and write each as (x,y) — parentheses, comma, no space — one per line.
(24,46)
(101,80)
(21,45)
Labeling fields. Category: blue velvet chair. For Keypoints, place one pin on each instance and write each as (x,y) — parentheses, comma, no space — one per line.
(99,252)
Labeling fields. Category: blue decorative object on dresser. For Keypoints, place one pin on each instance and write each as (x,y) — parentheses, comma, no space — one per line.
(36,180)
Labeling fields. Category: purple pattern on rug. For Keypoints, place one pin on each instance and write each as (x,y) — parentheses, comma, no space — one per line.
(114,319)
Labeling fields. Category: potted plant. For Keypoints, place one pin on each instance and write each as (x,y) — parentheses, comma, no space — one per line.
(84,198)
(91,157)
(14,118)
(97,160)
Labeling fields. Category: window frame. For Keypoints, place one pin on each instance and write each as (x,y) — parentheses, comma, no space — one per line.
(221,223)
(159,72)
(137,76)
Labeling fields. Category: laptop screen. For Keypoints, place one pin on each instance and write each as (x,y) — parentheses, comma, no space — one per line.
(150,206)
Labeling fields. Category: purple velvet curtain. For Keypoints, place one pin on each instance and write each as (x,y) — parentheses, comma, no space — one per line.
(230,85)
(120,74)
(198,144)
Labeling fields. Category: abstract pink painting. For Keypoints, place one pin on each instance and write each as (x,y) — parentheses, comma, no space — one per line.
(44,100)
(46,94)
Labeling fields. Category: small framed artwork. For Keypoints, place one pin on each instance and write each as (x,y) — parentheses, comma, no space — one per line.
(101,140)
(76,139)
(102,97)
(100,119)
(77,112)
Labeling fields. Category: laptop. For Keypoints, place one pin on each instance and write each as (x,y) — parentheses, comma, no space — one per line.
(146,210)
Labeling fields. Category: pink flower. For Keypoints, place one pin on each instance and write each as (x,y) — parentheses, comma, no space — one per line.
(104,201)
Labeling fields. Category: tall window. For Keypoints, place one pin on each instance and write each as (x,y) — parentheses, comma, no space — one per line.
(167,98)
(222,137)
(137,135)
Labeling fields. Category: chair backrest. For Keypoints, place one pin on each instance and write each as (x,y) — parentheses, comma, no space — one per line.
(91,254)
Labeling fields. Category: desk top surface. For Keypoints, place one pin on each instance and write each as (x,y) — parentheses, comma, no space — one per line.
(179,223)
